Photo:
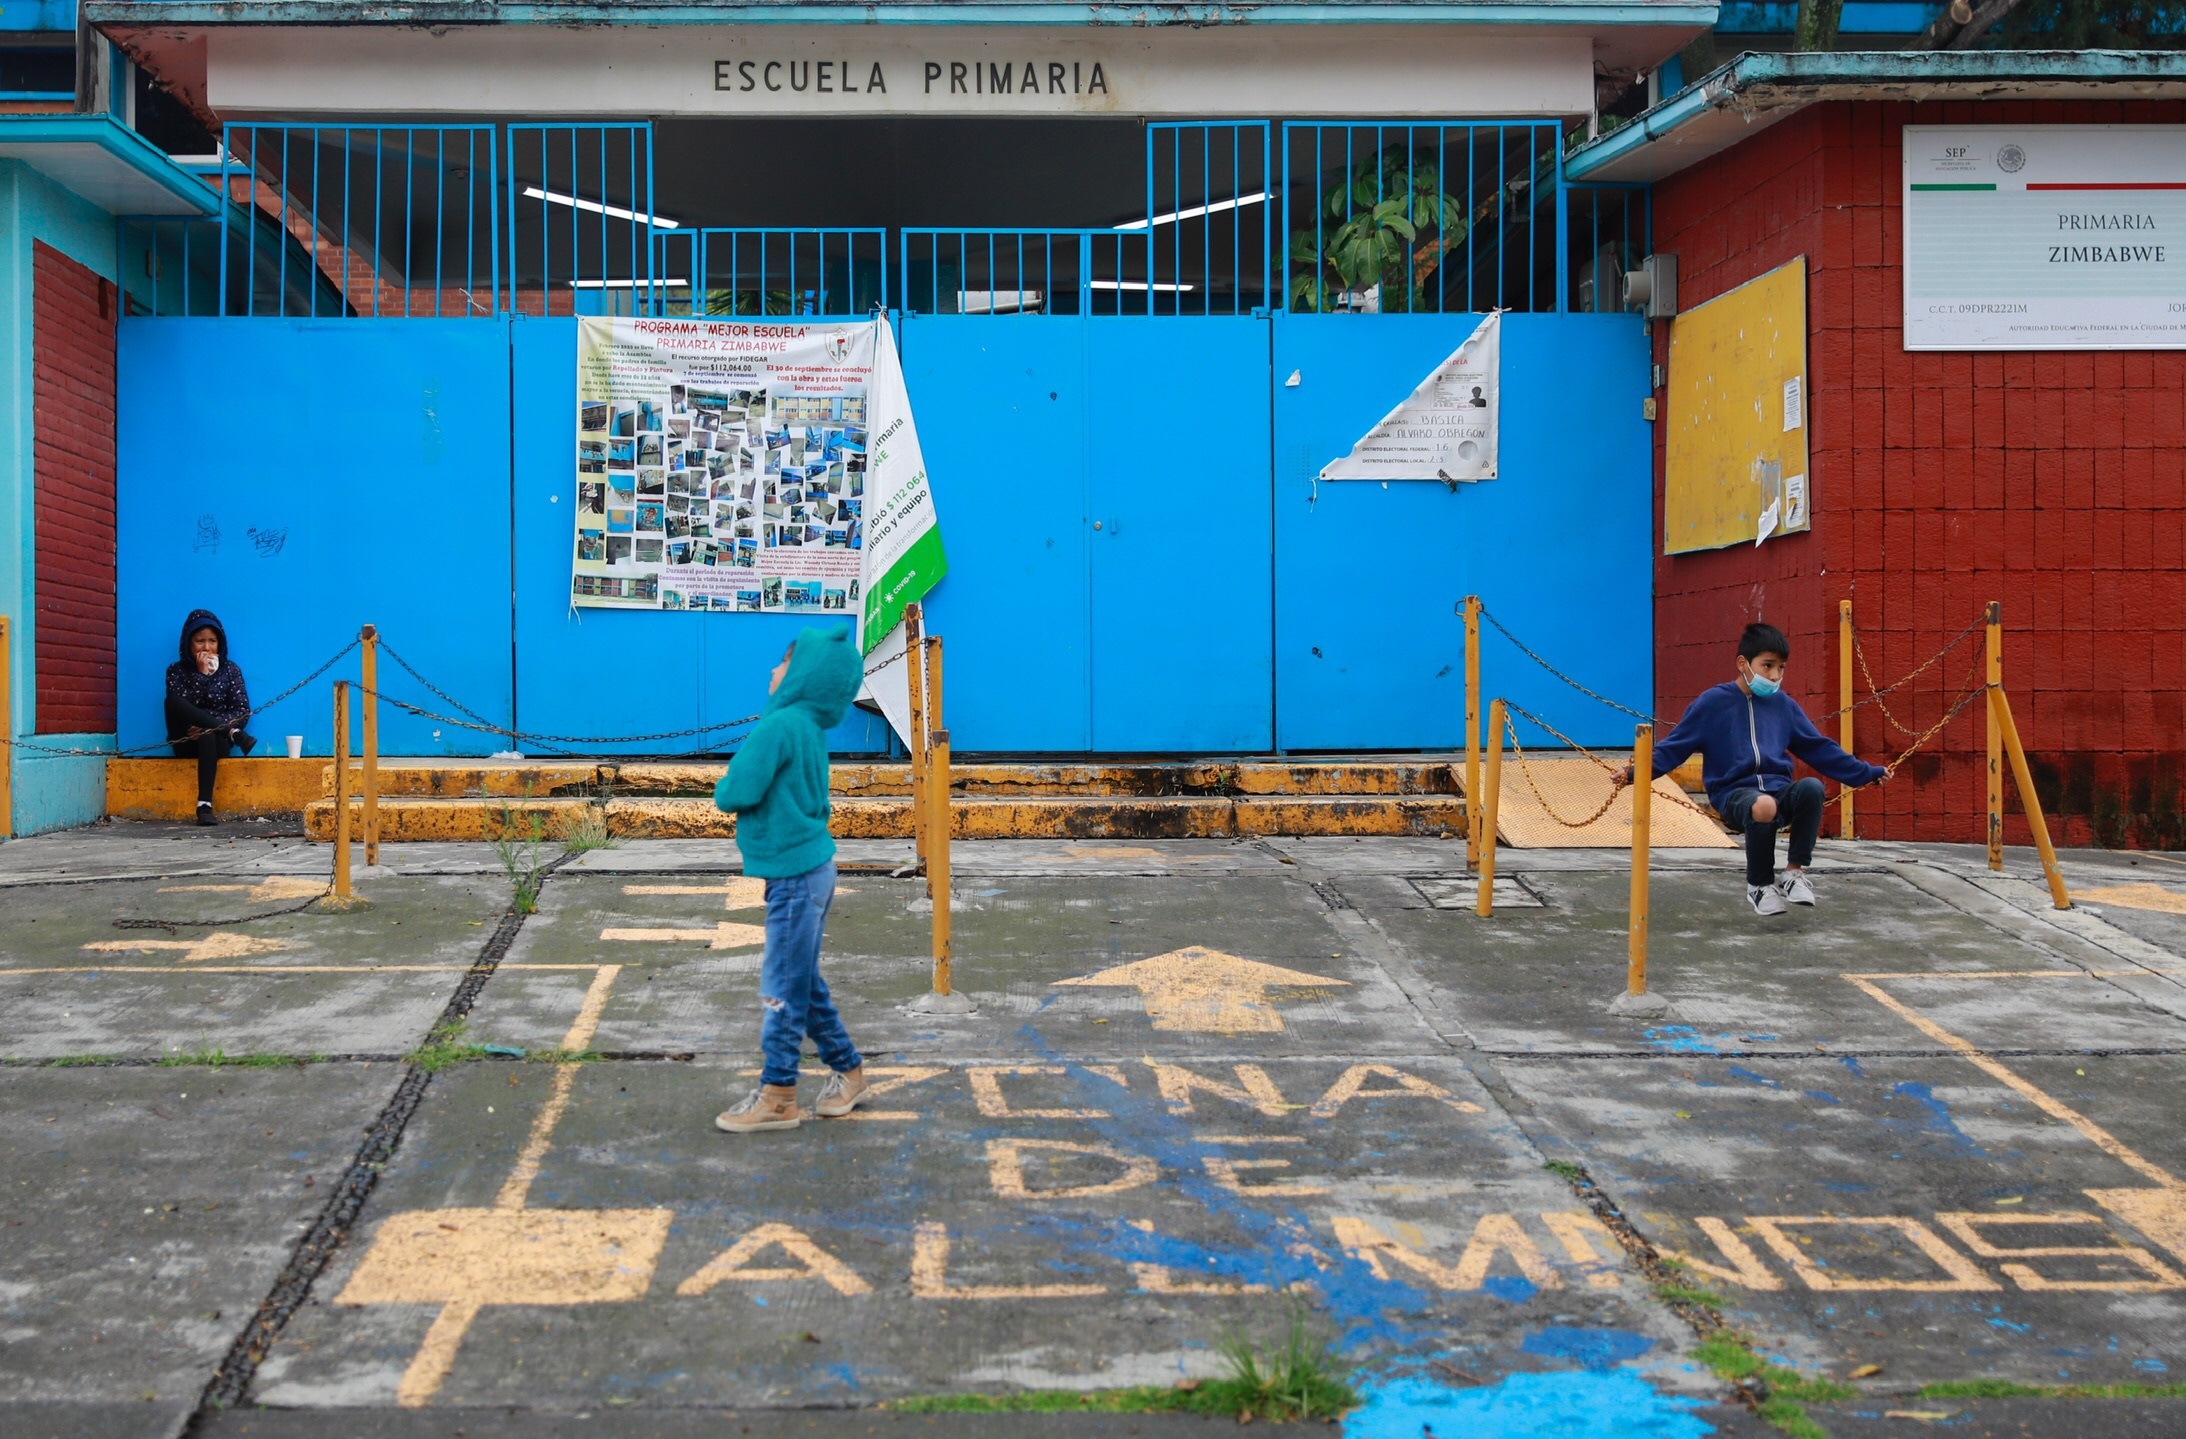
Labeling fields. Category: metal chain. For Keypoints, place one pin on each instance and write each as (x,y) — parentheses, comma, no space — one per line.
(1567,679)
(1875,695)
(1526,770)
(171,925)
(166,744)
(552,739)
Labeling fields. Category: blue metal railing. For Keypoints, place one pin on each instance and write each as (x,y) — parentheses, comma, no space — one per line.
(1027,272)
(581,222)
(772,271)
(546,218)
(1210,203)
(168,265)
(1426,217)
(383,220)
(1612,228)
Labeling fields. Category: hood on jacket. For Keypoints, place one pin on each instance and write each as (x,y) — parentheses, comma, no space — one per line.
(198,620)
(824,674)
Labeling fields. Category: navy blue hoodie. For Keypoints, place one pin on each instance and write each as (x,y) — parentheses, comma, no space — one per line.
(1746,742)
(221,694)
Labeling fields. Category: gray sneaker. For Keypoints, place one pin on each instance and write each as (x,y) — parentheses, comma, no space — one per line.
(1793,886)
(770,1106)
(1766,899)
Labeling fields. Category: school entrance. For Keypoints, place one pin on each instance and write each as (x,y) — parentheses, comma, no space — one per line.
(1131,346)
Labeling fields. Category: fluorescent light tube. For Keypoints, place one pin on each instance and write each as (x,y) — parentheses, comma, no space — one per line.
(1136,285)
(1194,213)
(616,212)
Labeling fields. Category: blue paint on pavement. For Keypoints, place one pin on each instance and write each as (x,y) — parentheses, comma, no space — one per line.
(2007,1324)
(1736,1072)
(1593,1348)
(2153,1366)
(1509,1288)
(1939,1113)
(1680,1039)
(1615,1402)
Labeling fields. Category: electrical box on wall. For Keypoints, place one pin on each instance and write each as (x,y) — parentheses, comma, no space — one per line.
(1653,287)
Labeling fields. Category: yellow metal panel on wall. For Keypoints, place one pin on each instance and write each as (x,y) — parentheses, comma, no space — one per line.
(1737,392)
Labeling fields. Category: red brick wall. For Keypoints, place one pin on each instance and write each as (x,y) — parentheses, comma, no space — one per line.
(72,423)
(2050,482)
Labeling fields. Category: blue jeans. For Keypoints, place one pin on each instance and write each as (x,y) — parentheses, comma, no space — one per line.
(1798,809)
(790,988)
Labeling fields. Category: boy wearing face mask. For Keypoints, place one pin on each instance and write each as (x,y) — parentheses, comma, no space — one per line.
(1746,731)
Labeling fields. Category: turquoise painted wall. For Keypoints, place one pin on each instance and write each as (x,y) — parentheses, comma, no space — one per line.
(48,791)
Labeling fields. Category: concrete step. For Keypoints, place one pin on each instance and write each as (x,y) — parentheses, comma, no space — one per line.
(978,816)
(463,779)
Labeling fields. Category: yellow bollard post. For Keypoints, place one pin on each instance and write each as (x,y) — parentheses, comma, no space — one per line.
(1492,788)
(1844,691)
(930,662)
(1472,731)
(937,860)
(369,638)
(1643,792)
(341,788)
(7,736)
(914,651)
(1996,738)
(1636,1000)
(2000,714)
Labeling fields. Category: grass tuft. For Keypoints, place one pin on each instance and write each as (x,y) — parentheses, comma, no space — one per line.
(79,1061)
(1688,1294)
(1730,1355)
(1565,1170)
(446,1046)
(2008,1389)
(1296,1379)
(588,833)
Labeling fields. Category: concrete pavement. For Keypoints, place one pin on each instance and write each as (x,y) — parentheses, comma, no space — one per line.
(467,1177)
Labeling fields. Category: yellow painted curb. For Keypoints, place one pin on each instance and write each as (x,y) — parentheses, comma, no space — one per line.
(167,788)
(413,821)
(465,779)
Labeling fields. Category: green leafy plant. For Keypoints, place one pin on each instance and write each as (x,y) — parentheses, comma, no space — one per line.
(1389,223)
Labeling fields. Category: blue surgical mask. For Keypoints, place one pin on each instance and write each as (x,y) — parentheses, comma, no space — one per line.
(1761,685)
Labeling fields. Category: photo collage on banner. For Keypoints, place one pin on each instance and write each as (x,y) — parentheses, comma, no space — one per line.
(721,465)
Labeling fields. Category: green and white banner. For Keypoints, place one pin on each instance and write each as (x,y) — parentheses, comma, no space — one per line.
(757,468)
(2045,237)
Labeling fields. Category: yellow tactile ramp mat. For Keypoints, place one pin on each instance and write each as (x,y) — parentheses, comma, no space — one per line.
(1574,787)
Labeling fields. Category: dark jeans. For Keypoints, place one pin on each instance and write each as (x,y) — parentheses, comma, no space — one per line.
(1799,807)
(795,997)
(208,748)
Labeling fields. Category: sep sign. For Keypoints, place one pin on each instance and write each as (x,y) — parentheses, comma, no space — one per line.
(2045,237)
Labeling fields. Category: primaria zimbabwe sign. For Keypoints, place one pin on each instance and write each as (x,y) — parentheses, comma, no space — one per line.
(2045,237)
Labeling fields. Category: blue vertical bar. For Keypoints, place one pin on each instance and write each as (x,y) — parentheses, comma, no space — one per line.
(1563,237)
(409,225)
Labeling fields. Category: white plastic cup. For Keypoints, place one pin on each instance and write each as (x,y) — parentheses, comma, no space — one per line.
(295,746)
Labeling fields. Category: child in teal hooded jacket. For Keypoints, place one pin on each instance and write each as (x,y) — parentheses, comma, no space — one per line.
(777,787)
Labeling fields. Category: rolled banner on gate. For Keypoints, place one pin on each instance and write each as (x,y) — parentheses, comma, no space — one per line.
(1446,428)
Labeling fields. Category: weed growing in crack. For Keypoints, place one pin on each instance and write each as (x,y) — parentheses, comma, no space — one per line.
(1298,1378)
(445,1045)
(588,833)
(520,845)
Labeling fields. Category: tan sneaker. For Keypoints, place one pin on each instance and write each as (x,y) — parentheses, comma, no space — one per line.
(770,1106)
(845,1091)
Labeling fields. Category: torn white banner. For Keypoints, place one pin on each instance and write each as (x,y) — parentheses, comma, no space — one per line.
(1446,428)
(888,680)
